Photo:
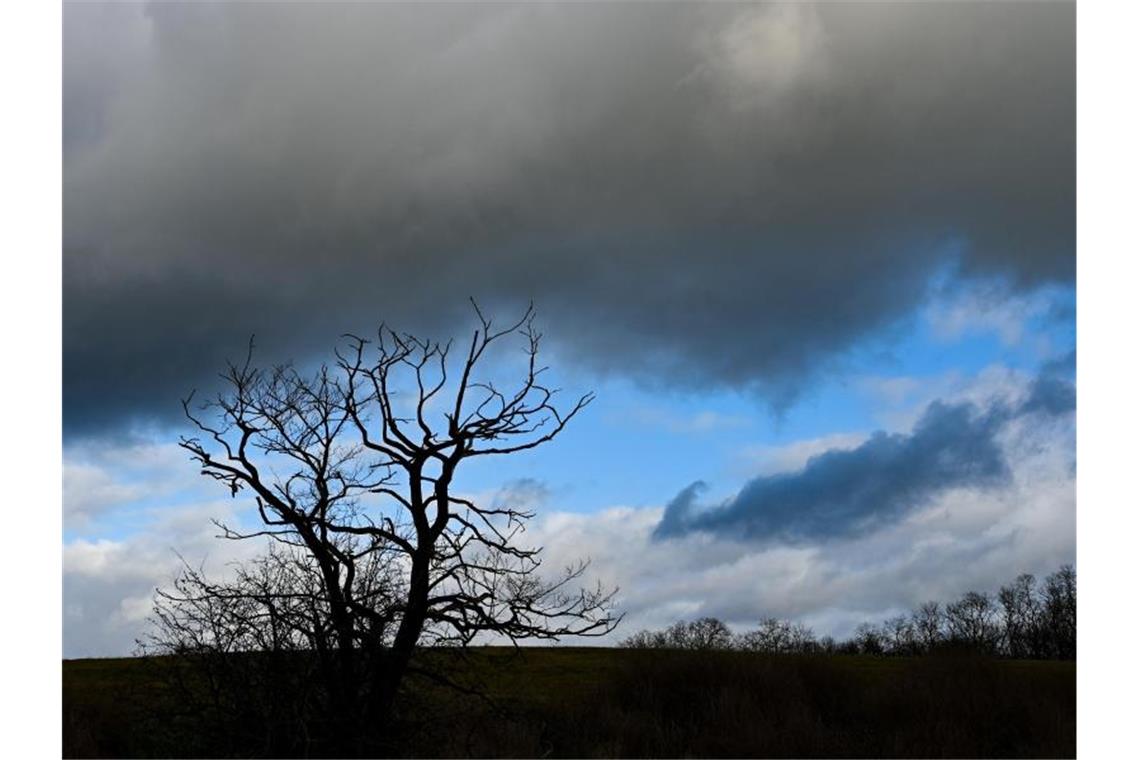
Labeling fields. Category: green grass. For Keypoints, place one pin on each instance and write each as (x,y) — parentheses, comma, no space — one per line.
(592,702)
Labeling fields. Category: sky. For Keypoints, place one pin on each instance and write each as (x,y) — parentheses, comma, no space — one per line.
(816,262)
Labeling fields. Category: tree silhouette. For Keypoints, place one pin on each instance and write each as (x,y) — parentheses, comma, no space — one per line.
(972,622)
(1059,602)
(1032,622)
(778,637)
(1021,617)
(352,470)
(928,623)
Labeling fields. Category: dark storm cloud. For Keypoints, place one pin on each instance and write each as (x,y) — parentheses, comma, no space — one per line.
(693,195)
(841,493)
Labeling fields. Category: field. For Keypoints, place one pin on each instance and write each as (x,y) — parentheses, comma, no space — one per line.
(594,702)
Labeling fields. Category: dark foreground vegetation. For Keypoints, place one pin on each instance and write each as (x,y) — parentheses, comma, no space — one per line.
(594,702)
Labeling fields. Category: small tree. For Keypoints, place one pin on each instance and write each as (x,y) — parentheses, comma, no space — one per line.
(928,623)
(803,639)
(703,633)
(1021,617)
(707,633)
(870,639)
(352,470)
(776,636)
(972,623)
(252,654)
(1059,614)
(772,635)
(646,639)
(902,638)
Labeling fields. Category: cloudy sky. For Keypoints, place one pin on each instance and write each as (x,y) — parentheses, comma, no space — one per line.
(816,261)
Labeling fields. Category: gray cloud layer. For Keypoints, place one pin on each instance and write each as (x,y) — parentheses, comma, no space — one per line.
(724,194)
(846,492)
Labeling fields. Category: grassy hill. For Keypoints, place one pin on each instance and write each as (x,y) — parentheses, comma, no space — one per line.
(594,702)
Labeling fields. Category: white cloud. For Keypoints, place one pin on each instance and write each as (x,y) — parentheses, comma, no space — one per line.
(992,307)
(108,584)
(901,400)
(89,490)
(789,457)
(965,539)
(102,478)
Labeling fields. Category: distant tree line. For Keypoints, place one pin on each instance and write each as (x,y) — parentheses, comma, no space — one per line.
(1025,620)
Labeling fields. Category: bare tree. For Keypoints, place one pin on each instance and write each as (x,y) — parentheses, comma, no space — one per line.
(1021,617)
(646,639)
(776,636)
(827,645)
(803,639)
(257,646)
(772,635)
(972,622)
(701,634)
(928,622)
(902,637)
(1059,613)
(352,470)
(870,639)
(704,633)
